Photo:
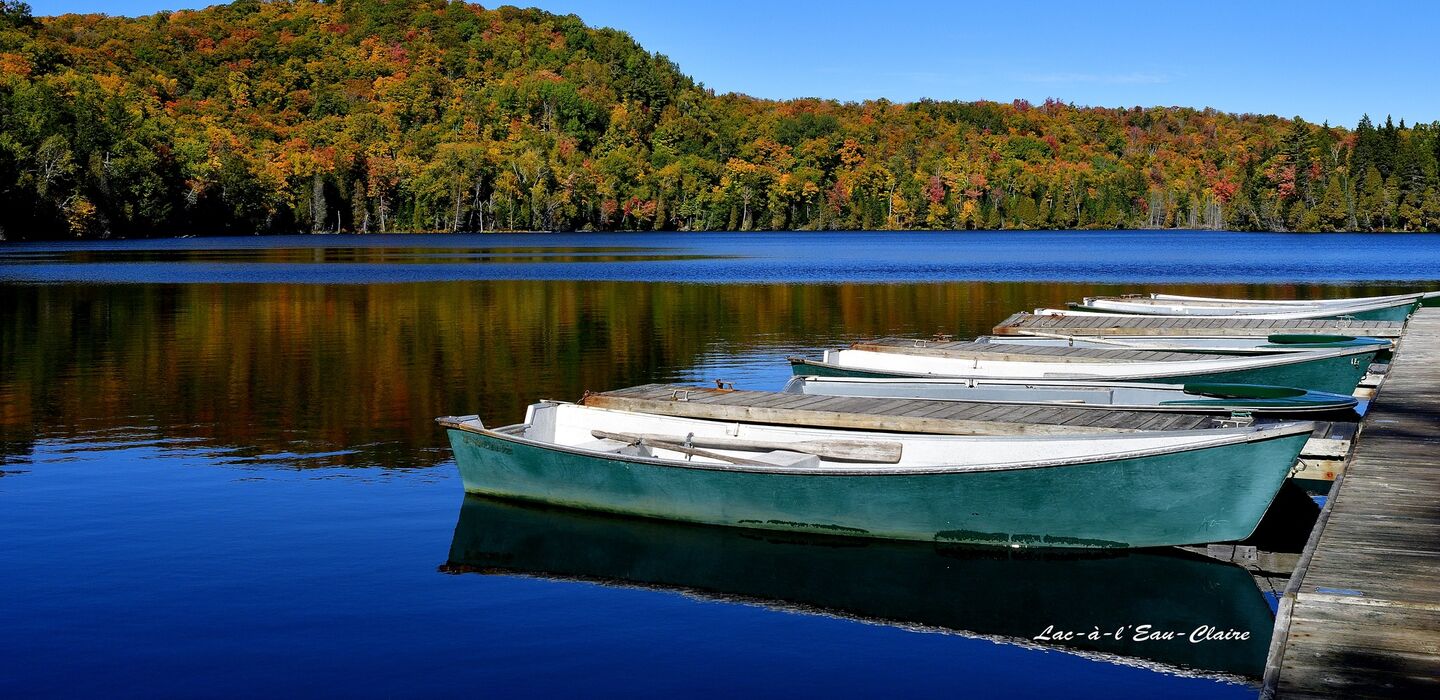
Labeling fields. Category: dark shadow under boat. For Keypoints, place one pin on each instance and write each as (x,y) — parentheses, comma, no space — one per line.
(1011,596)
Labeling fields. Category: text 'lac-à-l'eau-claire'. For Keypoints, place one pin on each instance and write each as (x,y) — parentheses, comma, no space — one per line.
(1144,633)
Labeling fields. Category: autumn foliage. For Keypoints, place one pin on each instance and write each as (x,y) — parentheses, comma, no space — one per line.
(426,115)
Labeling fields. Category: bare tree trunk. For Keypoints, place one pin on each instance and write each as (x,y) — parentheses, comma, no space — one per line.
(455,222)
(317,204)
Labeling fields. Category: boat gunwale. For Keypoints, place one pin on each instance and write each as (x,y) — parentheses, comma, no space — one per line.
(898,374)
(1247,362)
(1224,437)
(1330,324)
(1340,402)
(1260,313)
(1137,342)
(1281,303)
(1370,304)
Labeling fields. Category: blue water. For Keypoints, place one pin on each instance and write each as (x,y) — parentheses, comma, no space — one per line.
(186,578)
(219,478)
(1091,256)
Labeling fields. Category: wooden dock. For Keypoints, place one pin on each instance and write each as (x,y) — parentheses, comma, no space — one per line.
(1025,323)
(1360,616)
(1324,456)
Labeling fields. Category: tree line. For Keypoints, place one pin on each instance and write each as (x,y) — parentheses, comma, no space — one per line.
(434,115)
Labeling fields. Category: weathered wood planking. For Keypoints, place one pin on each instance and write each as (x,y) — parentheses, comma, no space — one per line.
(896,415)
(1361,616)
(1320,459)
(1020,323)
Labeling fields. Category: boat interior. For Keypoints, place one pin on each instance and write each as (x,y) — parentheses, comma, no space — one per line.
(624,433)
(1113,394)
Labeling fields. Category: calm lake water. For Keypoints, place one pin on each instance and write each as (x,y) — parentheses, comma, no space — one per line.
(219,473)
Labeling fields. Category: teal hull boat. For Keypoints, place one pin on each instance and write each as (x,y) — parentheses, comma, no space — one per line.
(1336,371)
(1088,491)
(1385,310)
(1220,399)
(1216,345)
(1007,596)
(1425,299)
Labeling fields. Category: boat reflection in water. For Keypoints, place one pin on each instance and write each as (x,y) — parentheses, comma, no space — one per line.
(1010,596)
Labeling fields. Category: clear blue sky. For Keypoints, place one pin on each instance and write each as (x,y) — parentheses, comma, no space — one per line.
(1321,60)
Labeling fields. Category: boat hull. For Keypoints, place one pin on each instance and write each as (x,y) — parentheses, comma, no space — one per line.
(1262,345)
(1399,311)
(1213,494)
(1351,301)
(1336,374)
(1271,402)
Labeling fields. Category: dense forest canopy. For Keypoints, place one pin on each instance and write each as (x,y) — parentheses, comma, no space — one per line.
(433,115)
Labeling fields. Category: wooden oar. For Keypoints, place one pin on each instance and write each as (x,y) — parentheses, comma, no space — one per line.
(877,451)
(1072,339)
(676,447)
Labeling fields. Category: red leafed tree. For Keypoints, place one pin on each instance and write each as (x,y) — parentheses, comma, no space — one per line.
(935,190)
(1224,190)
(1285,182)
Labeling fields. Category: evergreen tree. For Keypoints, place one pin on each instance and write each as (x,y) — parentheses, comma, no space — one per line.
(1389,143)
(1435,150)
(1332,213)
(1327,146)
(1431,206)
(1366,151)
(1304,218)
(1297,153)
(1410,163)
(1027,213)
(1370,200)
(15,13)
(1390,202)
(1410,215)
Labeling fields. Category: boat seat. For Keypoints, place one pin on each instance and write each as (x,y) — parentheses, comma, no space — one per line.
(786,458)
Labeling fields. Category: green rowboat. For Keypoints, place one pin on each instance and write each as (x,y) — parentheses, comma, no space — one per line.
(1145,489)
(1425,299)
(1221,399)
(1396,309)
(1208,345)
(1336,371)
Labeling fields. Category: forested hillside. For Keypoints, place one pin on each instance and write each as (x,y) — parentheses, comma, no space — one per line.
(426,115)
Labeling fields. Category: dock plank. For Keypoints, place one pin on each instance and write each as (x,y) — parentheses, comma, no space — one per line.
(1361,616)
